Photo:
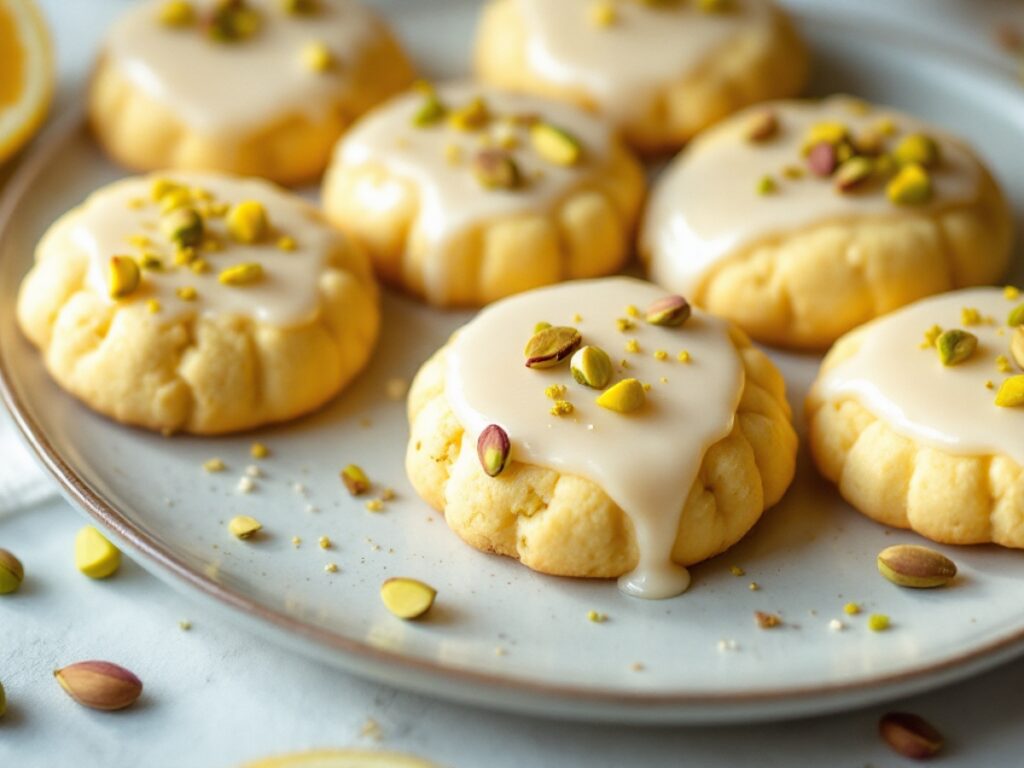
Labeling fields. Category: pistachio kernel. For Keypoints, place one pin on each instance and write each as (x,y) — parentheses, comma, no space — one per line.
(99,685)
(247,221)
(853,173)
(12,573)
(766,185)
(551,346)
(955,346)
(1017,347)
(625,397)
(430,111)
(317,57)
(561,408)
(176,13)
(1016,316)
(541,326)
(495,169)
(556,145)
(910,736)
(241,274)
(761,126)
(183,227)
(828,132)
(96,557)
(878,622)
(911,186)
(1011,392)
(822,159)
(917,567)
(124,276)
(355,480)
(407,598)
(917,149)
(492,449)
(670,310)
(591,366)
(244,527)
(471,117)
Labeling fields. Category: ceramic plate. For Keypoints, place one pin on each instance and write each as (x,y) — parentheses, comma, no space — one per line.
(501,635)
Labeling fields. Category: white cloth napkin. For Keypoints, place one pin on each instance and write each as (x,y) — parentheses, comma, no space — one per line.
(22,481)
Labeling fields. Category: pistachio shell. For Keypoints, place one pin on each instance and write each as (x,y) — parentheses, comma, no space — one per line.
(955,346)
(495,169)
(183,227)
(917,567)
(1011,392)
(1016,316)
(124,276)
(670,310)
(493,448)
(96,557)
(625,397)
(556,145)
(551,346)
(910,735)
(407,598)
(355,480)
(1017,347)
(591,367)
(11,572)
(244,527)
(100,685)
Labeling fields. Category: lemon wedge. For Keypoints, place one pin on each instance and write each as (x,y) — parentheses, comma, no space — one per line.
(26,73)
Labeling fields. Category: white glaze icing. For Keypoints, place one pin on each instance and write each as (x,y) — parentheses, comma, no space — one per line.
(287,295)
(908,388)
(706,206)
(646,461)
(623,66)
(223,88)
(452,201)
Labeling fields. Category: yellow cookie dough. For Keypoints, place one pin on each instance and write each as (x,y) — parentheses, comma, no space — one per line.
(915,443)
(801,220)
(199,303)
(661,72)
(465,194)
(561,522)
(243,87)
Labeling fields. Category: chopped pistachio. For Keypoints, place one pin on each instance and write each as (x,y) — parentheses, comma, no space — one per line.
(232,21)
(324,542)
(556,145)
(176,198)
(124,276)
(1016,316)
(555,391)
(247,221)
(793,172)
(633,346)
(139,241)
(355,480)
(632,310)
(767,620)
(244,527)
(317,57)
(151,262)
(911,186)
(869,142)
(471,117)
(660,354)
(735,570)
(766,185)
(591,367)
(597,617)
(1003,364)
(161,187)
(970,316)
(624,324)
(930,337)
(562,408)
(199,266)
(684,357)
(955,346)
(214,465)
(259,451)
(625,397)
(878,622)
(827,132)
(851,609)
(761,126)
(286,243)
(917,149)
(551,346)
(431,110)
(1011,392)
(375,505)
(183,227)
(496,169)
(241,274)
(152,306)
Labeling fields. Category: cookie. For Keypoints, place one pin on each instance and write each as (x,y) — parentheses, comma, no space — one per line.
(252,87)
(465,195)
(199,303)
(638,449)
(801,220)
(923,431)
(661,72)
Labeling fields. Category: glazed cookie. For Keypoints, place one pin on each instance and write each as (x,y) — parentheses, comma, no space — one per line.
(199,303)
(918,418)
(801,220)
(625,443)
(660,71)
(466,195)
(254,87)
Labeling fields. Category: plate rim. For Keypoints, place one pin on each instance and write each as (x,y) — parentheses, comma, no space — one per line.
(431,676)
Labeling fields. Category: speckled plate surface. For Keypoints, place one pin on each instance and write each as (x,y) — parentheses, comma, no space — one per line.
(500,635)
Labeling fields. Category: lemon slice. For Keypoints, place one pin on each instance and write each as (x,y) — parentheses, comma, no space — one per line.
(26,73)
(342,759)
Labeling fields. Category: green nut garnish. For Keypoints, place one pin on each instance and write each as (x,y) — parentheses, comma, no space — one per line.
(541,326)
(495,169)
(183,227)
(551,346)
(1011,393)
(429,112)
(853,173)
(591,367)
(909,565)
(955,346)
(911,186)
(355,480)
(1016,316)
(556,145)
(625,397)
(917,149)
(670,310)
(492,449)
(11,572)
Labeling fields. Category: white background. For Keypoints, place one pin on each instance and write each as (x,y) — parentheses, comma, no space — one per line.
(216,696)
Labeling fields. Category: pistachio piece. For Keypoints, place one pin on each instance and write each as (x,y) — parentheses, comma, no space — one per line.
(176,13)
(910,735)
(1016,316)
(492,449)
(183,227)
(955,346)
(1011,392)
(670,310)
(124,276)
(430,111)
(761,126)
(551,346)
(767,620)
(471,117)
(822,158)
(911,186)
(827,132)
(12,573)
(495,169)
(247,221)
(625,397)
(592,367)
(96,557)
(244,527)
(554,144)
(355,480)
(909,565)
(317,57)
(766,185)
(99,685)
(917,149)
(231,21)
(869,142)
(853,173)
(878,622)
(241,274)
(1017,347)
(407,598)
